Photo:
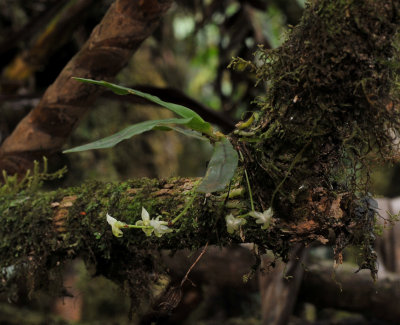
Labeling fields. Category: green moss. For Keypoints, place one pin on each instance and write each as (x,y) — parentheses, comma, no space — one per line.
(36,245)
(330,109)
(326,114)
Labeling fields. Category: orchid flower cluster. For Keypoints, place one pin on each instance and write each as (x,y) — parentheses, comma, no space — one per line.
(159,227)
(233,224)
(156,225)
(263,218)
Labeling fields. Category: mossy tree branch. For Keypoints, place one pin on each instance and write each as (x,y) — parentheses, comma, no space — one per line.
(329,111)
(40,231)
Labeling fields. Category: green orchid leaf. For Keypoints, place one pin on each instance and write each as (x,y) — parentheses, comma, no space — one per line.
(197,123)
(127,133)
(189,133)
(221,168)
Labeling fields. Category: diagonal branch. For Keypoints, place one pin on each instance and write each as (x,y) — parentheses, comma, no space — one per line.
(44,131)
(324,112)
(167,94)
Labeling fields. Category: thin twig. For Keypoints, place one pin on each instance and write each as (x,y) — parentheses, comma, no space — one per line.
(194,264)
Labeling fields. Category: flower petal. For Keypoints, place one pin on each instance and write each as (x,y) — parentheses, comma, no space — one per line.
(148,231)
(145,215)
(160,227)
(233,224)
(117,232)
(256,214)
(263,218)
(111,221)
(115,226)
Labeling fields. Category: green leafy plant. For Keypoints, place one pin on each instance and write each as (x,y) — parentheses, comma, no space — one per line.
(31,182)
(221,168)
(128,133)
(196,123)
(224,160)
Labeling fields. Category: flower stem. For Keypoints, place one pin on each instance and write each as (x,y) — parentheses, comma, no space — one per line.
(248,183)
(138,227)
(250,194)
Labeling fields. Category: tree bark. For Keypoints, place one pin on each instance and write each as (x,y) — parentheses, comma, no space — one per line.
(388,245)
(296,151)
(45,129)
(355,292)
(279,288)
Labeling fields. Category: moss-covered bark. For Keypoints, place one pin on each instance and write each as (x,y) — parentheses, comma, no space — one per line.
(39,231)
(331,108)
(330,111)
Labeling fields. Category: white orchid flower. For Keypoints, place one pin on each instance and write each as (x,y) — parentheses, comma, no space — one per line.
(116,226)
(233,224)
(145,222)
(160,227)
(263,218)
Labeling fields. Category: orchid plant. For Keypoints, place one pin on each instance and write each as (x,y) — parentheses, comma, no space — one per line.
(159,227)
(221,168)
(233,223)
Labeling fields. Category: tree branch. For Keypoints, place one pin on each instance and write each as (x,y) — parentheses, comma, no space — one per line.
(322,285)
(48,228)
(110,46)
(326,108)
(356,292)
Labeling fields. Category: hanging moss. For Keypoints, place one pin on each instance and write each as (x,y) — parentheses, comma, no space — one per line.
(330,110)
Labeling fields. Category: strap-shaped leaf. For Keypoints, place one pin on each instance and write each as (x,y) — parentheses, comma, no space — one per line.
(197,123)
(127,133)
(221,168)
(188,133)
